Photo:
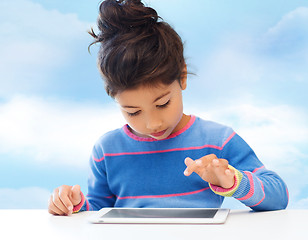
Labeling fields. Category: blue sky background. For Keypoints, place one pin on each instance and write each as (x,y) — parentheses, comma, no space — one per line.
(250,62)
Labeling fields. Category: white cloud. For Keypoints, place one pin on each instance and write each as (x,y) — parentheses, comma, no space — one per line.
(34,42)
(278,135)
(24,198)
(63,133)
(243,63)
(286,45)
(243,72)
(60,133)
(231,63)
(292,27)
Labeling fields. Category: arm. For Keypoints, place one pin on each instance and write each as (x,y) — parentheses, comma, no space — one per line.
(99,194)
(66,200)
(261,191)
(238,166)
(259,188)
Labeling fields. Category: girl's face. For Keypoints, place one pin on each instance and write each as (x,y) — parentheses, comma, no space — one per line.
(154,112)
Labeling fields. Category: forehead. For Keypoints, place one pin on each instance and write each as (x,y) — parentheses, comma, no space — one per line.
(146,93)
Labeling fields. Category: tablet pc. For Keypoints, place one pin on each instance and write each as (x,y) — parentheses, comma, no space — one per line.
(161,215)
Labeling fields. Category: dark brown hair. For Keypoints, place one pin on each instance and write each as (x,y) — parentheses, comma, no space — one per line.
(137,48)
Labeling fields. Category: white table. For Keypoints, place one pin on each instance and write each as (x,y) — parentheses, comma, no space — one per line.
(241,224)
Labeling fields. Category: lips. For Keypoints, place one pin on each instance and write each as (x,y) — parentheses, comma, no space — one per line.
(158,134)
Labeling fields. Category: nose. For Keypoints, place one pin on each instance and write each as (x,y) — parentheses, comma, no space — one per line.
(154,122)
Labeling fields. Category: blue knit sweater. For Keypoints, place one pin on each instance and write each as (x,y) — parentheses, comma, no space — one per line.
(129,171)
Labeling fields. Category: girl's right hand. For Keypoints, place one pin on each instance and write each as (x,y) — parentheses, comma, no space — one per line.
(63,200)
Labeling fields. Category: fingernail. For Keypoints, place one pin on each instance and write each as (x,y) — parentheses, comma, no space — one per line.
(70,208)
(185,172)
(215,161)
(198,162)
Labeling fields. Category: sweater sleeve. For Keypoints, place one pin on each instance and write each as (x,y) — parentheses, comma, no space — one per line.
(99,194)
(255,186)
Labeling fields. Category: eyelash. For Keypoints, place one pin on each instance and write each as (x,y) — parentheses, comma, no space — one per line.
(164,105)
(133,114)
(158,106)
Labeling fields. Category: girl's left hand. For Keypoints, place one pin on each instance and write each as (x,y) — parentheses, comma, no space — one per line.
(212,170)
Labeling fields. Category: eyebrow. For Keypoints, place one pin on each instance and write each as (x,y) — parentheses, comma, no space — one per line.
(161,96)
(156,99)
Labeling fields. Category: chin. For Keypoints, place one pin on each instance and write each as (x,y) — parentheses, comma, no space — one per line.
(166,135)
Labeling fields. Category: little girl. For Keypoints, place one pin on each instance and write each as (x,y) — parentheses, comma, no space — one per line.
(162,157)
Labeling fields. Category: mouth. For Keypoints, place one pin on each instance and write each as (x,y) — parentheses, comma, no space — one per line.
(158,134)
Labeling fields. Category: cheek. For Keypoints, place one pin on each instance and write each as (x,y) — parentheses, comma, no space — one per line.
(177,109)
(127,118)
(133,122)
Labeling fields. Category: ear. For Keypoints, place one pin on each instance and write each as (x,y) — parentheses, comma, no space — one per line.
(184,78)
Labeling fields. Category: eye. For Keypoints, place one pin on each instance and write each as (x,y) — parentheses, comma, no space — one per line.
(164,105)
(133,114)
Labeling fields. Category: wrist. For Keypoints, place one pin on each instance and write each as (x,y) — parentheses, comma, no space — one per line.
(228,192)
(230,184)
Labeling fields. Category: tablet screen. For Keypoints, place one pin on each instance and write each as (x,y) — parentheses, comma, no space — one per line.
(160,213)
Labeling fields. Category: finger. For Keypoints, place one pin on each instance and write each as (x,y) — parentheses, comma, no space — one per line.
(224,163)
(200,165)
(64,193)
(215,162)
(199,162)
(229,172)
(53,209)
(225,175)
(195,166)
(218,166)
(50,206)
(206,160)
(210,157)
(188,161)
(75,196)
(229,178)
(52,212)
(58,202)
(187,172)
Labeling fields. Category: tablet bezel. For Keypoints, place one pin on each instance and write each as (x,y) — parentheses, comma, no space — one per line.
(219,218)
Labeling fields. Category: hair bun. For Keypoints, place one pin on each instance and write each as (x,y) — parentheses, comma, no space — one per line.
(117,16)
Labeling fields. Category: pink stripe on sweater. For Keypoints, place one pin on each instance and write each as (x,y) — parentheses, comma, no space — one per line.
(263,195)
(133,136)
(228,139)
(98,160)
(251,190)
(165,195)
(166,150)
(257,169)
(112,196)
(161,151)
(152,152)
